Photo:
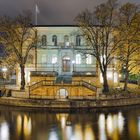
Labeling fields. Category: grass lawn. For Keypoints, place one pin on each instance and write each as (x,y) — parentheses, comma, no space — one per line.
(132,88)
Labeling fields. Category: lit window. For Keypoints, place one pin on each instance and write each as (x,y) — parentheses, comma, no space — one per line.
(54,40)
(78,40)
(44,58)
(66,40)
(54,59)
(88,59)
(78,59)
(44,40)
(103,58)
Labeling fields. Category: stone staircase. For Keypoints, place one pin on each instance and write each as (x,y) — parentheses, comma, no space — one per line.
(66,79)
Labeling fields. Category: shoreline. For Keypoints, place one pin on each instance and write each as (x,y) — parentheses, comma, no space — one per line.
(69,103)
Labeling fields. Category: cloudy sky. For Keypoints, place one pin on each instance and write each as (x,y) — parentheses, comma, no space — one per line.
(51,11)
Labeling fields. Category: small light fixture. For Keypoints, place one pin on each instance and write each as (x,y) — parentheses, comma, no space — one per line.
(4,69)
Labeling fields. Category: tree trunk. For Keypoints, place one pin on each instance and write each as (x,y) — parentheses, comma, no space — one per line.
(105,83)
(22,85)
(126,81)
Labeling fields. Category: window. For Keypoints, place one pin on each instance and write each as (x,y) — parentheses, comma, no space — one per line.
(44,40)
(78,40)
(88,59)
(54,59)
(103,58)
(66,40)
(44,59)
(54,40)
(78,59)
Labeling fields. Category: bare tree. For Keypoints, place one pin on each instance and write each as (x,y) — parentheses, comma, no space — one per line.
(18,37)
(97,28)
(129,34)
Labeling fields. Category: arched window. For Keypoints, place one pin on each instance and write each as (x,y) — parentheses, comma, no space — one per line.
(54,40)
(88,59)
(44,40)
(66,38)
(78,59)
(78,40)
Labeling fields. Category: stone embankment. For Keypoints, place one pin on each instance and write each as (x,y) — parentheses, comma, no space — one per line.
(70,103)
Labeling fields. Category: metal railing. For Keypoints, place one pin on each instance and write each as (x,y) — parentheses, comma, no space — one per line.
(89,86)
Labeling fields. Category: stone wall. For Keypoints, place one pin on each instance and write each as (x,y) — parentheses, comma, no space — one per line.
(35,79)
(54,91)
(69,104)
(20,94)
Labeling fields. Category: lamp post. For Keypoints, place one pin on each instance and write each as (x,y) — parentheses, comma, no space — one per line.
(4,70)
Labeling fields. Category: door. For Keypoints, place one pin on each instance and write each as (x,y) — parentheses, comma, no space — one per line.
(66,64)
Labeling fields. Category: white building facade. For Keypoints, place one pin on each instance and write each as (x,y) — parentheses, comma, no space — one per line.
(59,53)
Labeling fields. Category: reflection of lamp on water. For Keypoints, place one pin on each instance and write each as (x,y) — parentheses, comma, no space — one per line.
(63,119)
(4,70)
(73,62)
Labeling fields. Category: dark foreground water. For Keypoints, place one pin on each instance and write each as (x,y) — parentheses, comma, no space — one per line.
(107,124)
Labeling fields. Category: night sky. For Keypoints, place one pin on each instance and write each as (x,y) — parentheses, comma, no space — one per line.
(56,12)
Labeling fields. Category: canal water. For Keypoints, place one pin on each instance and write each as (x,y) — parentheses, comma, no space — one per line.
(38,124)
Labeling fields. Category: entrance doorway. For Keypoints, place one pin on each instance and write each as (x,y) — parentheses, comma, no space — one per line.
(66,64)
(62,93)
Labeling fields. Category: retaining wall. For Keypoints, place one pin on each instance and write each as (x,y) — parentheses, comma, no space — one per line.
(69,103)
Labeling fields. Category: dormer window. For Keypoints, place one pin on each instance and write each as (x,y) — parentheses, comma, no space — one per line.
(44,40)
(78,40)
(54,40)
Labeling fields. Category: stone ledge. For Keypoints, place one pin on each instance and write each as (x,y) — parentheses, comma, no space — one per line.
(68,104)
(19,94)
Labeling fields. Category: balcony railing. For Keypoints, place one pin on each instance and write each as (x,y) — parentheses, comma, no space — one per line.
(44,73)
(63,46)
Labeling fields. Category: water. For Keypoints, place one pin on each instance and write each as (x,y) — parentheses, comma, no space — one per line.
(107,124)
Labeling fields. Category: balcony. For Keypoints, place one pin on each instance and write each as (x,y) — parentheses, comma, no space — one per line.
(84,73)
(44,73)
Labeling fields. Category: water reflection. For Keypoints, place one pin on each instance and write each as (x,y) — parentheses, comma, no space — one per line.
(36,125)
(88,133)
(101,122)
(4,131)
(53,136)
(112,126)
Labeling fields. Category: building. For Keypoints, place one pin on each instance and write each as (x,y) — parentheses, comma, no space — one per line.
(59,57)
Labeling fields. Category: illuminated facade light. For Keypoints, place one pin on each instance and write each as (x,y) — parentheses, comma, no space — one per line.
(4,69)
